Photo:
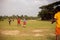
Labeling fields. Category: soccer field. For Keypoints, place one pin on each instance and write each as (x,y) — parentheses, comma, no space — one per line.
(34,30)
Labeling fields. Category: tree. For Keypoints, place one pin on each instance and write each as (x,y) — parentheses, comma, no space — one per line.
(44,15)
(1,18)
(48,11)
(21,16)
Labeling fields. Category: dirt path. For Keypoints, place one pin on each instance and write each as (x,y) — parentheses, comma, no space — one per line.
(35,32)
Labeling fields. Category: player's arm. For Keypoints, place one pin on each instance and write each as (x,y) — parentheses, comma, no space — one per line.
(54,20)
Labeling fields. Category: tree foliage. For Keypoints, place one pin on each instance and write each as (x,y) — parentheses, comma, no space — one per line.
(48,11)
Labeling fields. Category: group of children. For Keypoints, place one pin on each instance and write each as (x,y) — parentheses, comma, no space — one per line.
(19,21)
(56,19)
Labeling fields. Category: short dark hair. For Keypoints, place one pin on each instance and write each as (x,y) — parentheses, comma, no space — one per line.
(57,8)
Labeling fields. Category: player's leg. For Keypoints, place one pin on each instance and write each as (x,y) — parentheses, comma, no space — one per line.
(57,37)
(24,24)
(9,23)
(57,33)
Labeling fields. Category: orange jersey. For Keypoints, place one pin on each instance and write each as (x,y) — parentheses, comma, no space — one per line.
(57,17)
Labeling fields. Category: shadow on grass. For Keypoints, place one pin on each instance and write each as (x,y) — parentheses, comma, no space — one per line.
(51,37)
(1,37)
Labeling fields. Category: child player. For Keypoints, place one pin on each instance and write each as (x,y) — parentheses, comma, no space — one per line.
(57,20)
(9,21)
(24,22)
(18,21)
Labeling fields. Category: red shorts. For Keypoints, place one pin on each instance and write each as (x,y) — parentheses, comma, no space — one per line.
(57,31)
(24,23)
(18,22)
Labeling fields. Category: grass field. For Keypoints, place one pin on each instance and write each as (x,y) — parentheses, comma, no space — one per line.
(34,30)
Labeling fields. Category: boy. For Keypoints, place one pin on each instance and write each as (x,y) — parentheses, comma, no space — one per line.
(24,22)
(19,21)
(9,21)
(57,20)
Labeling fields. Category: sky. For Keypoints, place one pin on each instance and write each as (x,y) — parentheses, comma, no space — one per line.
(22,7)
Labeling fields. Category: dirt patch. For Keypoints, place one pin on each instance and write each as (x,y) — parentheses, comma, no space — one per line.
(36,35)
(37,30)
(10,32)
(24,34)
(52,34)
(40,30)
